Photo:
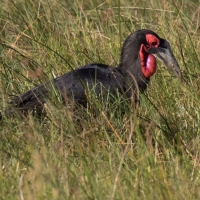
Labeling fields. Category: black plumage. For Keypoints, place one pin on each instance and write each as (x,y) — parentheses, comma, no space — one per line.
(122,78)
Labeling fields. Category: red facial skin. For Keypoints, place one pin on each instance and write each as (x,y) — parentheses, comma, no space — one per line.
(148,61)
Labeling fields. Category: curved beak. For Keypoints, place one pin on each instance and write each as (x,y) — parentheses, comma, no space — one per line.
(165,55)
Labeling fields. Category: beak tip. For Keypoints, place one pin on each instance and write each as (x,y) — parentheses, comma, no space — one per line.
(176,69)
(178,73)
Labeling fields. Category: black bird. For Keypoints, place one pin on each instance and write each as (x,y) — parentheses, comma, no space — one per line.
(137,65)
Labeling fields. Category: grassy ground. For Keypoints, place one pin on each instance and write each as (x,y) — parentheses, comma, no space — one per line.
(152,153)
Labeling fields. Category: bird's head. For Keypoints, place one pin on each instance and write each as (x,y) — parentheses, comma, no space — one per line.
(146,45)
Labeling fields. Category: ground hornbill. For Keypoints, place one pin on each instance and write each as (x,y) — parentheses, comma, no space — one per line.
(137,65)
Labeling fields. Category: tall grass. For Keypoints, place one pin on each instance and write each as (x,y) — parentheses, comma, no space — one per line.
(108,151)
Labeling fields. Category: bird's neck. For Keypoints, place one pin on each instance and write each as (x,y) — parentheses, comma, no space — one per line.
(131,69)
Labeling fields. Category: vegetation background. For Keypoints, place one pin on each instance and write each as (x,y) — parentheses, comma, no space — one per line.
(153,153)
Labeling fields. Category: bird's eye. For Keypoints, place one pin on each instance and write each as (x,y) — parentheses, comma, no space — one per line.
(153,43)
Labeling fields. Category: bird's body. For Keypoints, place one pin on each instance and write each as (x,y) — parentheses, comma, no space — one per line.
(98,77)
(136,66)
(73,85)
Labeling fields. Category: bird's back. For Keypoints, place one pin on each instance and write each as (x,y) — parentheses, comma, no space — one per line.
(97,77)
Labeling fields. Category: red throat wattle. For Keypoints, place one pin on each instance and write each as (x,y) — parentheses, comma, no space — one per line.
(148,61)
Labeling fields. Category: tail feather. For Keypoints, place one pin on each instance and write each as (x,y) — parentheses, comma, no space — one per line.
(29,101)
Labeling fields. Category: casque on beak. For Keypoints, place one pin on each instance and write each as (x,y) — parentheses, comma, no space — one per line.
(165,55)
